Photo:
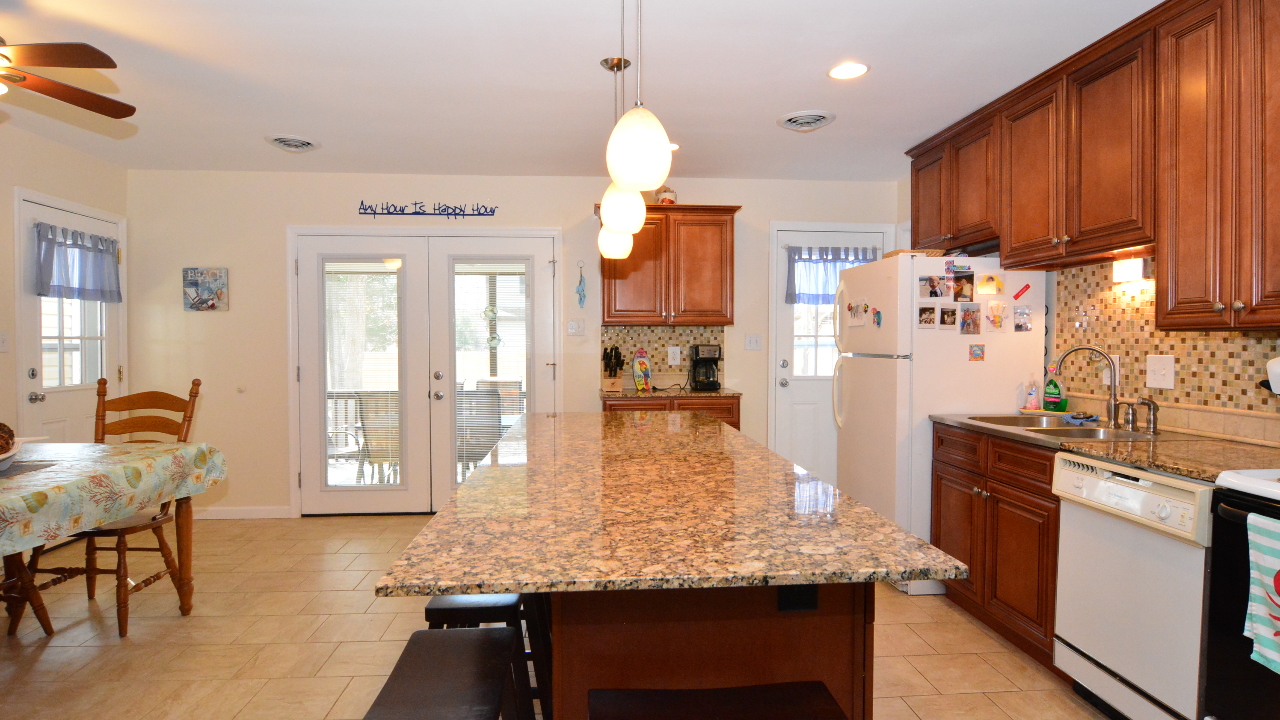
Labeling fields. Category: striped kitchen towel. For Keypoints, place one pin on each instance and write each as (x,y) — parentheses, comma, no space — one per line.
(1262,620)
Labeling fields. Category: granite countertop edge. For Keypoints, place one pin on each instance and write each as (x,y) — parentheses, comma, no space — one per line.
(670,392)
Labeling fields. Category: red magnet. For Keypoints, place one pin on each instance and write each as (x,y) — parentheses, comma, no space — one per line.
(1023,290)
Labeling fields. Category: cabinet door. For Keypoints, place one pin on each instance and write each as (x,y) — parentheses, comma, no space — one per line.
(700,252)
(929,221)
(1110,151)
(634,404)
(1257,284)
(721,408)
(1031,179)
(1022,560)
(1194,184)
(635,288)
(975,185)
(957,525)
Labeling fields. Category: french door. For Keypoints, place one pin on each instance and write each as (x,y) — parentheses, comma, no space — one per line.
(416,354)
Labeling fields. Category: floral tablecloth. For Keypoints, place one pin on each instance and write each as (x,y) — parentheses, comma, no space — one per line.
(76,486)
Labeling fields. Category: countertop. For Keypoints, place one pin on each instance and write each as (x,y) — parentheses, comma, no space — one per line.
(1192,456)
(631,392)
(618,501)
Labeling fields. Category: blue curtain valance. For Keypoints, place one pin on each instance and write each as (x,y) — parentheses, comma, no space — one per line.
(814,273)
(75,265)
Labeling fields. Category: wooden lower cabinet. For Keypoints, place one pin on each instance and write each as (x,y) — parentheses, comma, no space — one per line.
(723,407)
(1000,519)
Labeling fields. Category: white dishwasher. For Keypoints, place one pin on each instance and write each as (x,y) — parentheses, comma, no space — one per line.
(1132,570)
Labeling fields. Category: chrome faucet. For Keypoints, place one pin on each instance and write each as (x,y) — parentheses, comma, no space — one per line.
(1113,416)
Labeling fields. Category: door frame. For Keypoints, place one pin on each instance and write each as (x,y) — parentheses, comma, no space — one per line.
(776,254)
(293,232)
(21,195)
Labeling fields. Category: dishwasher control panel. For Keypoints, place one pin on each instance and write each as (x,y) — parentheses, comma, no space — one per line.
(1175,506)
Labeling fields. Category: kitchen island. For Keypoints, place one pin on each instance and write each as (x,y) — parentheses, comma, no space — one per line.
(660,537)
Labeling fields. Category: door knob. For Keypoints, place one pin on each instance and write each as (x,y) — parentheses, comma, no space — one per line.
(437,395)
(784,364)
(35,397)
(1237,306)
(1219,307)
(438,375)
(784,382)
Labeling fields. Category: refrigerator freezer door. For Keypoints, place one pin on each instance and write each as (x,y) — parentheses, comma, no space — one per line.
(873,449)
(876,287)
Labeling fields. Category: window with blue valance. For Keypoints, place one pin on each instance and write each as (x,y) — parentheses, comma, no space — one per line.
(814,272)
(74,265)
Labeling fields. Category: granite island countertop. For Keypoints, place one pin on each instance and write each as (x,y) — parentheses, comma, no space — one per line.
(631,392)
(630,501)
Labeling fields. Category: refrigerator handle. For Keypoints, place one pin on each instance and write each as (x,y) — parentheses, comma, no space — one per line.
(836,395)
(839,317)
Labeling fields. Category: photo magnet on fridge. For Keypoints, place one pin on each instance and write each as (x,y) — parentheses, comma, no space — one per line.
(947,316)
(927,317)
(857,311)
(971,319)
(1022,318)
(963,289)
(997,320)
(977,353)
(933,286)
(989,284)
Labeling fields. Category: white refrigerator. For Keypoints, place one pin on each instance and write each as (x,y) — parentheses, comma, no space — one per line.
(912,345)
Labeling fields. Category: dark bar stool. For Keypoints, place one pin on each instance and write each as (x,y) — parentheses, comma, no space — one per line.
(780,701)
(451,675)
(470,611)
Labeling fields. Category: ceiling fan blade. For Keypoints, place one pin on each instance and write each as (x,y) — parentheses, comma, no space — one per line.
(70,55)
(92,102)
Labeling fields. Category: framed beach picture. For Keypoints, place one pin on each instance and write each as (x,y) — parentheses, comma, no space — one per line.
(204,289)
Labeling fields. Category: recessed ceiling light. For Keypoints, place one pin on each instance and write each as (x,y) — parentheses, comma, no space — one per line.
(848,71)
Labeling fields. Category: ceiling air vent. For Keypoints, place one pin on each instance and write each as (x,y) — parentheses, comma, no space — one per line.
(292,143)
(806,120)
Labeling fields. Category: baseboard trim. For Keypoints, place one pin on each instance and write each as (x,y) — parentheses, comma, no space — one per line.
(261,512)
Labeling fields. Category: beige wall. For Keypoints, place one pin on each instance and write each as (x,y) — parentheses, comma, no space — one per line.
(238,221)
(31,162)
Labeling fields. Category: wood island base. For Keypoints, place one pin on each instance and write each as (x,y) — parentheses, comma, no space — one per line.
(711,637)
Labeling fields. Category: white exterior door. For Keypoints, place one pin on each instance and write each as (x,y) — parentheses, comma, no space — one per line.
(803,422)
(63,346)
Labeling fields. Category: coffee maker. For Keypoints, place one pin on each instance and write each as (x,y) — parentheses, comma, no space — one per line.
(705,373)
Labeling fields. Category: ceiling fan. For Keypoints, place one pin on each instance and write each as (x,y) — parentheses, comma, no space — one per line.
(67,55)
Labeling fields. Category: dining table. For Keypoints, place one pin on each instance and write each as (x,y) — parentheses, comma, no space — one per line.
(55,490)
(667,550)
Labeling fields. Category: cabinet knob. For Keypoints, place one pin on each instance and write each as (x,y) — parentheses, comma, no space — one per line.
(1219,307)
(985,494)
(1055,241)
(976,492)
(1237,306)
(1066,239)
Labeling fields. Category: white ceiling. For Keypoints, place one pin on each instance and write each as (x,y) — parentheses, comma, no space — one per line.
(508,87)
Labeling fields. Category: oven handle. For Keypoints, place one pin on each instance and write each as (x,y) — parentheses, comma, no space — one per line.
(1230,514)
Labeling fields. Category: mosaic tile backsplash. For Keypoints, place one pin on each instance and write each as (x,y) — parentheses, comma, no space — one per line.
(1215,370)
(655,339)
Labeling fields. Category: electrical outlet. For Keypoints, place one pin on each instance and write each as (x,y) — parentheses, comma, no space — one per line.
(1106,369)
(1161,371)
(577,327)
(673,356)
(754,342)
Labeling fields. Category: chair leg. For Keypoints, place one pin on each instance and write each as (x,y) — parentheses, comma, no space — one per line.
(122,585)
(15,568)
(91,566)
(538,618)
(167,555)
(520,670)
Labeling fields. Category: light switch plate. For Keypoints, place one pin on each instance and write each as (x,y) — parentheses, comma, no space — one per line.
(1161,371)
(673,356)
(754,342)
(577,326)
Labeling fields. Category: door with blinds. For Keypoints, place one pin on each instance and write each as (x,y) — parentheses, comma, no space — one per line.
(417,355)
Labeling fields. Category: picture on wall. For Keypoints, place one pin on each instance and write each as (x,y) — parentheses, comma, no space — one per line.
(204,289)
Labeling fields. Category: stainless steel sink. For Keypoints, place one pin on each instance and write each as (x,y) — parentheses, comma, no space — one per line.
(1092,433)
(1023,421)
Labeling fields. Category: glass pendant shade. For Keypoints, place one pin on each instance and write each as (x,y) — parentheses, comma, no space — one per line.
(622,211)
(614,246)
(639,152)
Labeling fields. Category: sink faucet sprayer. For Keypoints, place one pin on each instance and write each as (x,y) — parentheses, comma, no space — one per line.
(1113,419)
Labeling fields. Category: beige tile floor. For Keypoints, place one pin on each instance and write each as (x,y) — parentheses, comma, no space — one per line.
(286,627)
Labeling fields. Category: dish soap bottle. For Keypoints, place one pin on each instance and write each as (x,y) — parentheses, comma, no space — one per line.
(1033,394)
(1053,399)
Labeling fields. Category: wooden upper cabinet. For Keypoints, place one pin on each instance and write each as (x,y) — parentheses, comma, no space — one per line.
(975,185)
(635,288)
(701,258)
(1195,188)
(680,271)
(1031,190)
(1110,151)
(1257,263)
(929,221)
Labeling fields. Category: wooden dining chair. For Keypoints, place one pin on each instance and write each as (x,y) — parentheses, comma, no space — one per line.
(139,522)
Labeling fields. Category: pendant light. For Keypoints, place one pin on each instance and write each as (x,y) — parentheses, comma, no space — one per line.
(622,211)
(614,246)
(639,152)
